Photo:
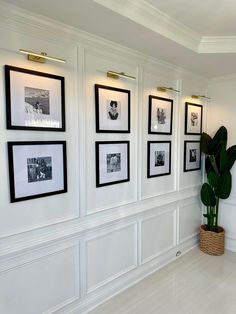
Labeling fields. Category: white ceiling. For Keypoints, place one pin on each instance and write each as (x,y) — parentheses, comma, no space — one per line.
(172,30)
(207,18)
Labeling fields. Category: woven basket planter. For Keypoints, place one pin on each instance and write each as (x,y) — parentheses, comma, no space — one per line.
(212,243)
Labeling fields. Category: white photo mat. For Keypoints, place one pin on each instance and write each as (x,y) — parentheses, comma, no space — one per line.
(34,100)
(159,154)
(119,151)
(21,154)
(193,119)
(113,112)
(160,119)
(18,114)
(192,158)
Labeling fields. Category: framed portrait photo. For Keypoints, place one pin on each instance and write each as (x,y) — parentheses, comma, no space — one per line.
(112,162)
(192,156)
(158,158)
(193,119)
(160,115)
(112,106)
(36,169)
(34,100)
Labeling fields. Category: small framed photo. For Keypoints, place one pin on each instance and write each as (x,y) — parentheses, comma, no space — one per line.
(193,119)
(34,100)
(112,162)
(192,156)
(112,109)
(158,158)
(160,115)
(36,169)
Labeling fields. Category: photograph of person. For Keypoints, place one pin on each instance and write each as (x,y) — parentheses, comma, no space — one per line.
(161,116)
(159,158)
(194,119)
(113,112)
(192,155)
(113,162)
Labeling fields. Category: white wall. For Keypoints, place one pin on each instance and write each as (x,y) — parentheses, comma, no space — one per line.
(222,109)
(69,252)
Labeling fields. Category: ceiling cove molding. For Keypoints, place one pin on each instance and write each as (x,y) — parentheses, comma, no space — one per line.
(150,17)
(18,19)
(217,44)
(28,23)
(222,79)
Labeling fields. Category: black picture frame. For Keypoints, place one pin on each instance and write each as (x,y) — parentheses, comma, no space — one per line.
(192,118)
(102,110)
(29,97)
(100,167)
(28,179)
(193,163)
(154,159)
(160,119)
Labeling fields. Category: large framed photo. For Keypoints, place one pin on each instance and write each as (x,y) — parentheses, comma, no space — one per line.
(112,109)
(36,169)
(160,115)
(112,162)
(34,100)
(192,156)
(158,158)
(193,119)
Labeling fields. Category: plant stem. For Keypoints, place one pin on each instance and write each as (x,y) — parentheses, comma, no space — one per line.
(211,218)
(208,218)
(217,211)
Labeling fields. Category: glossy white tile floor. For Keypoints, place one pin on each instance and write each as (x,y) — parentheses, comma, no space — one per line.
(194,284)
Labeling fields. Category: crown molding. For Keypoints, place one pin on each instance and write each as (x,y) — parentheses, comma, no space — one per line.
(139,11)
(150,17)
(217,44)
(22,21)
(221,79)
(143,13)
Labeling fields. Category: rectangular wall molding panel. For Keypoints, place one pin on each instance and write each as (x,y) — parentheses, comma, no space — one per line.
(115,254)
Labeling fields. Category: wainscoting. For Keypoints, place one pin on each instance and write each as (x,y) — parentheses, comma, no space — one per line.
(68,253)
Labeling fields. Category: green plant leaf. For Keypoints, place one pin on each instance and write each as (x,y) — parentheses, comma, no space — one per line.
(224,165)
(224,185)
(208,166)
(231,153)
(207,195)
(214,164)
(219,139)
(213,179)
(205,141)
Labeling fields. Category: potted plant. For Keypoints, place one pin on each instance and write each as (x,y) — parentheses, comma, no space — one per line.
(218,163)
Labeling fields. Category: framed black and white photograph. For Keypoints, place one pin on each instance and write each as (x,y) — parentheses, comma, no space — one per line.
(37,169)
(34,100)
(160,115)
(112,162)
(112,109)
(192,156)
(158,158)
(193,119)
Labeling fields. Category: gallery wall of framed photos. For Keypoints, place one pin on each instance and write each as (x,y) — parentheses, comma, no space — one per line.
(125,93)
(191,130)
(54,87)
(124,167)
(154,130)
(138,114)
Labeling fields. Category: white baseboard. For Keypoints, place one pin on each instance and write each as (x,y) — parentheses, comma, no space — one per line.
(91,301)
